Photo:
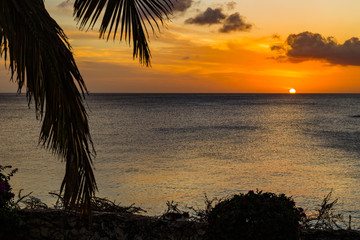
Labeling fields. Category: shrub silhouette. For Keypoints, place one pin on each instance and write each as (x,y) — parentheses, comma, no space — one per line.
(8,218)
(255,216)
(6,196)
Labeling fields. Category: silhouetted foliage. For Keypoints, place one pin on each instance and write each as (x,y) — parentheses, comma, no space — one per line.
(6,196)
(173,212)
(325,217)
(254,216)
(8,218)
(38,55)
(202,215)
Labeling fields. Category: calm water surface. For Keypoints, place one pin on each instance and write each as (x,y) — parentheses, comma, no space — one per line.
(157,147)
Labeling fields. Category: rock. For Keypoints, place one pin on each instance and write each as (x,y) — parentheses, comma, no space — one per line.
(58,236)
(119,233)
(72,222)
(35,233)
(96,236)
(83,231)
(60,225)
(201,232)
(45,232)
(74,233)
(103,226)
(137,237)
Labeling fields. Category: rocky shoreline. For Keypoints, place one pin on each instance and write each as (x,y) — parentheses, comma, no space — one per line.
(61,225)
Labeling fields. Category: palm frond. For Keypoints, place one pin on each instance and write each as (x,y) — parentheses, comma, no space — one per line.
(131,16)
(40,57)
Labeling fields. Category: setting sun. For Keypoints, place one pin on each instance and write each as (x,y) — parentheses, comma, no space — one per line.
(292,90)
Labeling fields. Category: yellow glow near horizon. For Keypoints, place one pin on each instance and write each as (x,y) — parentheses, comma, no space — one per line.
(193,58)
(292,91)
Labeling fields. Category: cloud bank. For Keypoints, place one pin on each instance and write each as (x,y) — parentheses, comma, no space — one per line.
(233,22)
(182,5)
(313,46)
(210,16)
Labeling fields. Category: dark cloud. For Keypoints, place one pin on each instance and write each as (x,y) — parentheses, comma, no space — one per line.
(309,46)
(182,5)
(210,16)
(276,48)
(276,36)
(235,22)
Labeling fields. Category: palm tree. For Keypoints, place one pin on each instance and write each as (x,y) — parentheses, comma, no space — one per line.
(38,54)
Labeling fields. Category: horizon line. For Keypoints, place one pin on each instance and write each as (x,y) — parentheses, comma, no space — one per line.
(89,93)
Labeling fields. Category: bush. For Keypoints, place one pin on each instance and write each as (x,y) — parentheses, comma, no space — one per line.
(8,218)
(6,196)
(255,215)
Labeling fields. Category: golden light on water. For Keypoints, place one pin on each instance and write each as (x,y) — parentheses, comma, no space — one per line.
(292,90)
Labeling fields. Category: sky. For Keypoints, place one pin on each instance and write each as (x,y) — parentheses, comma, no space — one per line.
(212,46)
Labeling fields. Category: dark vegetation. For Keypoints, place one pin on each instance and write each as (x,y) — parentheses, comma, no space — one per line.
(254,215)
(39,57)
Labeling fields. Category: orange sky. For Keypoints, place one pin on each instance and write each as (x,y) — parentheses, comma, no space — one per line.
(194,54)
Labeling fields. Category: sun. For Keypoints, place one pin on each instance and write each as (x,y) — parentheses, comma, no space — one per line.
(292,90)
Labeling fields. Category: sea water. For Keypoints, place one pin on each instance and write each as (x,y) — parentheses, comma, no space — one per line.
(153,148)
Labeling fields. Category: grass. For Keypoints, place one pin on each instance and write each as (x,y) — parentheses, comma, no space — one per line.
(97,204)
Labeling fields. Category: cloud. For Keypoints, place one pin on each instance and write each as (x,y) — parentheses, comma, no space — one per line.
(210,16)
(235,22)
(66,4)
(182,5)
(65,7)
(277,48)
(313,46)
(276,36)
(231,5)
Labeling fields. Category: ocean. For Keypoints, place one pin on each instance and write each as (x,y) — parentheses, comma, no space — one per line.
(153,148)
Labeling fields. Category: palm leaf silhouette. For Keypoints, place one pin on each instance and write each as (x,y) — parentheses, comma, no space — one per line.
(133,17)
(39,57)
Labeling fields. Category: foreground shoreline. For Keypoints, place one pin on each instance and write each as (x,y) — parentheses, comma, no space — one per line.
(61,225)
